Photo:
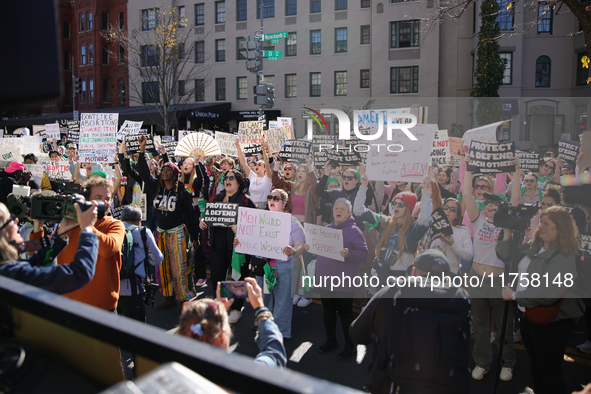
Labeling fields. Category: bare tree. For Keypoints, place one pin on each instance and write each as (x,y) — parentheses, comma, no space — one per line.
(165,72)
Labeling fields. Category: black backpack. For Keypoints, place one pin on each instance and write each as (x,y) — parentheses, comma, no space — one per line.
(128,265)
(423,343)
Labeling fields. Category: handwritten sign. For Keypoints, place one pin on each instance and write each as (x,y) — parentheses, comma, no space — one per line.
(440,148)
(530,161)
(221,214)
(24,145)
(440,225)
(263,233)
(455,146)
(36,171)
(132,143)
(129,128)
(98,137)
(10,153)
(73,131)
(285,121)
(227,143)
(324,241)
(57,170)
(568,151)
(277,137)
(52,131)
(250,132)
(295,151)
(274,124)
(491,157)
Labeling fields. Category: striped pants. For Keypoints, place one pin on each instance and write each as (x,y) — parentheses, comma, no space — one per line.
(175,272)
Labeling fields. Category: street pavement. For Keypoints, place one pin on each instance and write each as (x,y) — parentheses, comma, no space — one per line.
(308,336)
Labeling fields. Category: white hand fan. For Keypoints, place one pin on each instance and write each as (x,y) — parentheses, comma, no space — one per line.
(197,144)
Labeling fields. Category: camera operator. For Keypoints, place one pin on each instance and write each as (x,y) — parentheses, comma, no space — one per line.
(36,271)
(103,290)
(551,252)
(15,174)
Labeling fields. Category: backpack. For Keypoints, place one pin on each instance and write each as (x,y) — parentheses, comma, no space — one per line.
(128,265)
(423,343)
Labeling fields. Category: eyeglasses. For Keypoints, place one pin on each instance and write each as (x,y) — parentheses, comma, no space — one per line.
(531,180)
(349,177)
(287,168)
(231,178)
(548,166)
(400,205)
(481,187)
(274,198)
(12,219)
(447,207)
(546,204)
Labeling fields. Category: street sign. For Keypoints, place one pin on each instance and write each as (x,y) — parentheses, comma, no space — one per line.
(273,36)
(273,53)
(272,59)
(75,115)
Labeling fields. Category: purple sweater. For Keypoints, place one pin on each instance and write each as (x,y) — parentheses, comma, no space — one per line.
(354,241)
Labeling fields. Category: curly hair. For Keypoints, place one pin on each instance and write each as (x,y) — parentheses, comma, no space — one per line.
(97,181)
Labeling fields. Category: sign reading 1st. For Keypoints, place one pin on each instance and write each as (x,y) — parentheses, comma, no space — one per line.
(275,38)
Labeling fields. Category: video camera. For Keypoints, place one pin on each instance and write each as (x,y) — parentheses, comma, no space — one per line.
(55,208)
(18,205)
(61,187)
(515,218)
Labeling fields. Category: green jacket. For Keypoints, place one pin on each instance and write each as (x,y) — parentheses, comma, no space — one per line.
(547,294)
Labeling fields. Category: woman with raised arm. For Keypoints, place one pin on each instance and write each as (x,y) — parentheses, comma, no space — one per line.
(260,178)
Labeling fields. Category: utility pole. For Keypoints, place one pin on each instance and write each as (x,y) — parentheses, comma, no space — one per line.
(73,89)
(260,72)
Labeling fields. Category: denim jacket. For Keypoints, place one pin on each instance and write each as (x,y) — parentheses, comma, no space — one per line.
(271,349)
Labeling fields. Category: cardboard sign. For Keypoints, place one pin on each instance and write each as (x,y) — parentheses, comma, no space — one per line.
(52,131)
(73,132)
(440,225)
(263,233)
(252,150)
(324,241)
(58,170)
(132,143)
(491,157)
(585,150)
(455,146)
(221,214)
(24,145)
(407,160)
(530,161)
(343,157)
(10,153)
(98,137)
(277,137)
(295,151)
(227,143)
(440,148)
(129,128)
(568,152)
(250,132)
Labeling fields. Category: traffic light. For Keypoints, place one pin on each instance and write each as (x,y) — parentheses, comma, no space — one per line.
(264,95)
(77,86)
(270,96)
(250,50)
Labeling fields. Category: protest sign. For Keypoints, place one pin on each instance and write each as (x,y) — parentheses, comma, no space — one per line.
(530,161)
(157,139)
(323,142)
(144,205)
(117,211)
(250,132)
(132,143)
(565,137)
(227,143)
(170,147)
(486,133)
(324,241)
(24,145)
(98,137)
(36,171)
(221,214)
(320,159)
(52,131)
(568,152)
(407,161)
(586,243)
(274,124)
(184,133)
(57,170)
(263,233)
(37,129)
(295,151)
(343,157)
(285,121)
(276,138)
(491,157)
(166,138)
(129,128)
(73,131)
(252,150)
(455,146)
(585,150)
(440,148)
(440,225)
(374,121)
(10,153)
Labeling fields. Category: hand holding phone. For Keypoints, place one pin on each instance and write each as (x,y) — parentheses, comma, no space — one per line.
(231,289)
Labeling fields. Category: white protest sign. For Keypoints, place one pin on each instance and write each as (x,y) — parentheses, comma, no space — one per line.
(276,137)
(36,173)
(263,233)
(440,149)
(273,124)
(285,121)
(52,131)
(57,170)
(324,241)
(227,143)
(98,137)
(129,128)
(144,206)
(371,121)
(10,153)
(407,161)
(486,133)
(250,132)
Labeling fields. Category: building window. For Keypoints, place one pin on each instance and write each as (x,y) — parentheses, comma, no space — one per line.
(507,58)
(182,15)
(83,92)
(340,40)
(582,72)
(149,56)
(241,88)
(82,55)
(291,7)
(67,61)
(105,54)
(543,71)
(82,23)
(199,14)
(404,34)
(200,52)
(181,86)
(365,34)
(181,50)
(90,54)
(90,21)
(315,6)
(404,79)
(506,14)
(90,91)
(270,79)
(149,19)
(122,93)
(220,12)
(340,5)
(340,83)
(68,94)
(121,16)
(364,79)
(268,9)
(67,32)
(268,46)
(106,91)
(544,18)
(291,47)
(315,84)
(150,92)
(220,50)
(105,24)
(199,90)
(365,3)
(239,55)
(315,42)
(241,11)
(121,54)
(220,89)
(291,87)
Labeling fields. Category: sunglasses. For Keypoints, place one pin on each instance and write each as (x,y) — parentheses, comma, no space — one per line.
(287,168)
(274,198)
(231,178)
(531,180)
(349,177)
(260,164)
(481,187)
(546,204)
(448,208)
(12,219)
(548,166)
(400,205)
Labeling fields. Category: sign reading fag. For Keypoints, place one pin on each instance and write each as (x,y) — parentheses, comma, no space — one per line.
(324,241)
(263,233)
(98,137)
(250,132)
(491,157)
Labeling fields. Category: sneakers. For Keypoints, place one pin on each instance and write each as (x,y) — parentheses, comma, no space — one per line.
(347,353)
(169,302)
(585,347)
(304,302)
(506,374)
(478,373)
(296,299)
(201,282)
(234,316)
(328,346)
(517,336)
